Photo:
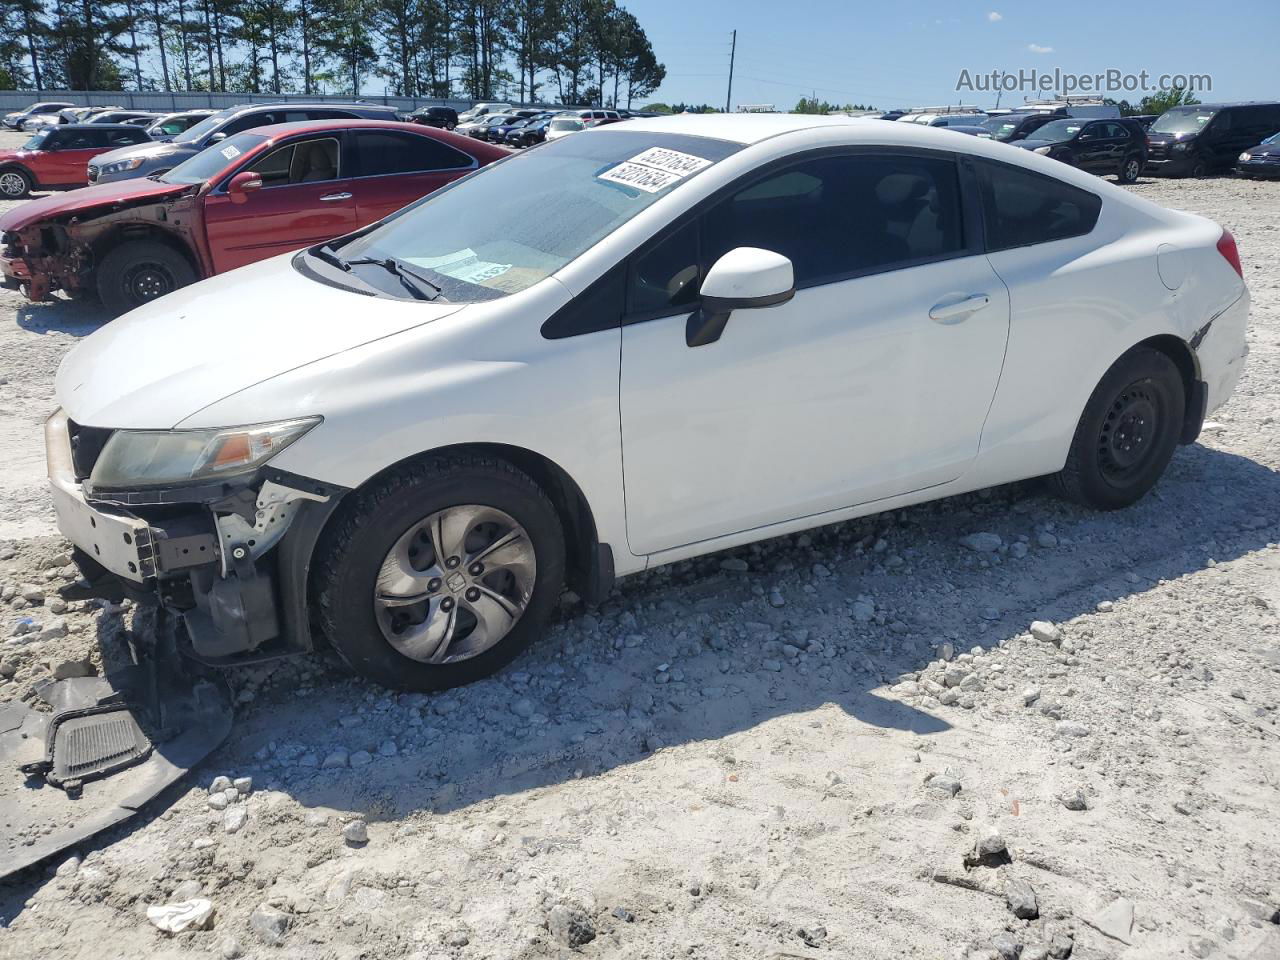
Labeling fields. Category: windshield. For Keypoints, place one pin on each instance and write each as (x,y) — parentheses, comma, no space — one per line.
(595,183)
(566,124)
(1057,131)
(205,126)
(1182,120)
(1274,138)
(1002,128)
(38,140)
(213,160)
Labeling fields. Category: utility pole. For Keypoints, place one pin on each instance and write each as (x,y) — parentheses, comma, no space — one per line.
(728,97)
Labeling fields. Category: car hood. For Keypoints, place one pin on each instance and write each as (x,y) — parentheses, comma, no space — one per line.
(1032,144)
(87,198)
(161,363)
(1265,150)
(148,150)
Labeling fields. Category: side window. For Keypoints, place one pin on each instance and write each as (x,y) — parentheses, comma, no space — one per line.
(1021,207)
(80,140)
(318,115)
(121,138)
(307,162)
(382,154)
(838,216)
(249,121)
(666,275)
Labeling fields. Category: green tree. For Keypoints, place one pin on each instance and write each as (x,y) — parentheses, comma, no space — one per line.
(1158,103)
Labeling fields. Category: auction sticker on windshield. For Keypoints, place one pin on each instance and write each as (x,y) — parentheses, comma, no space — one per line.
(230,151)
(463,265)
(655,169)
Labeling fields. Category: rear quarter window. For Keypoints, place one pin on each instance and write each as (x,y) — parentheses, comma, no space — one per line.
(1021,207)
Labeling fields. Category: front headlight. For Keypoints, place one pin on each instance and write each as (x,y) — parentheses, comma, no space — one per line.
(1246,157)
(123,166)
(157,458)
(1042,150)
(1178,146)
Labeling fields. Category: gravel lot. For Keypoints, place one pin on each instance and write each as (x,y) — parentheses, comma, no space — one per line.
(850,743)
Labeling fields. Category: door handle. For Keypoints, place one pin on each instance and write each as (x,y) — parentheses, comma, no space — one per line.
(336,196)
(956,312)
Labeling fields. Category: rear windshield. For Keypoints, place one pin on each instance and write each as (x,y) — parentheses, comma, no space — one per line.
(213,160)
(594,182)
(566,124)
(1182,120)
(38,140)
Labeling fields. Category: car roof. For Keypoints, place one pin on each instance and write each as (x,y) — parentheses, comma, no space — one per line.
(97,126)
(340,123)
(742,128)
(1233,103)
(319,105)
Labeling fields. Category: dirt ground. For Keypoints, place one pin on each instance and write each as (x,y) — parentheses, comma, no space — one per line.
(847,743)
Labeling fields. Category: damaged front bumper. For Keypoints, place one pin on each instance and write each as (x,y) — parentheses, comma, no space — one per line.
(223,569)
(230,558)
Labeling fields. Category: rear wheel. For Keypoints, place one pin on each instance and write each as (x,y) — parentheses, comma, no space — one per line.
(14,184)
(1130,169)
(1127,433)
(139,272)
(440,573)
(1199,169)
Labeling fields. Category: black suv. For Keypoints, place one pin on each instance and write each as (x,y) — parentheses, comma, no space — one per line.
(446,118)
(132,163)
(1116,145)
(1207,138)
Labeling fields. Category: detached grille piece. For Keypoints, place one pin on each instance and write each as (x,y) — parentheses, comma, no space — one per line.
(95,744)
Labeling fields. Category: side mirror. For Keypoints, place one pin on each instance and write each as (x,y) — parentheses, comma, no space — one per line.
(215,138)
(242,184)
(744,278)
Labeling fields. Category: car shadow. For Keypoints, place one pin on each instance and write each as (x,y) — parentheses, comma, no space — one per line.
(590,696)
(78,318)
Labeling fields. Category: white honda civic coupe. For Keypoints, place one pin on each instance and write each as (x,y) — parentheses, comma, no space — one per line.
(641,343)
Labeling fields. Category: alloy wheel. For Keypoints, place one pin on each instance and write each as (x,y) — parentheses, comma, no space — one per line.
(455,584)
(12,184)
(1131,170)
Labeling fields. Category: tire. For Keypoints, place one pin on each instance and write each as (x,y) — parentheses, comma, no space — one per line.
(1130,169)
(1199,169)
(1127,433)
(14,183)
(365,542)
(139,272)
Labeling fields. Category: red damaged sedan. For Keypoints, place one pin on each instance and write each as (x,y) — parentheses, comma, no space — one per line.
(253,195)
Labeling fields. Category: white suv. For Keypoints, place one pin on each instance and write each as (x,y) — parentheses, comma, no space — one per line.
(634,345)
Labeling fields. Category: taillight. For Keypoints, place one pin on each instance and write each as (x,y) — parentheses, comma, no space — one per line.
(1227,247)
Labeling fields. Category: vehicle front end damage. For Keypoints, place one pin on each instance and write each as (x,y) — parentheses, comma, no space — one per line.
(42,255)
(220,563)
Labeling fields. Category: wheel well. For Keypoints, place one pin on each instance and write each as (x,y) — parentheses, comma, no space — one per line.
(1188,364)
(129,232)
(566,496)
(20,169)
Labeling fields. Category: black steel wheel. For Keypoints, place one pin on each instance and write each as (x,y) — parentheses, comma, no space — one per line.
(1127,433)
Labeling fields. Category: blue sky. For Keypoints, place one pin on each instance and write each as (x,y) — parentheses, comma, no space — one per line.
(911,52)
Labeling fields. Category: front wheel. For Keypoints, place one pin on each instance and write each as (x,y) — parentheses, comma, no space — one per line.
(1127,433)
(139,272)
(14,184)
(1129,170)
(440,573)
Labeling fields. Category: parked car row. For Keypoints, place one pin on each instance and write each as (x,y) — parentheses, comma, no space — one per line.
(252,195)
(1192,141)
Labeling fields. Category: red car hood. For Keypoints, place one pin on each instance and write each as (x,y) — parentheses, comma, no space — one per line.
(89,198)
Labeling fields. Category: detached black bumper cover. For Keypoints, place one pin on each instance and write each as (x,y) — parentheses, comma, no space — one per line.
(103,748)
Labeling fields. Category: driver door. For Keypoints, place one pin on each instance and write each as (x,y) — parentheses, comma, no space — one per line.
(305,198)
(867,384)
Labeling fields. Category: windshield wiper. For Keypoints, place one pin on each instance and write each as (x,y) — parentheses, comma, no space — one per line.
(410,279)
(323,252)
